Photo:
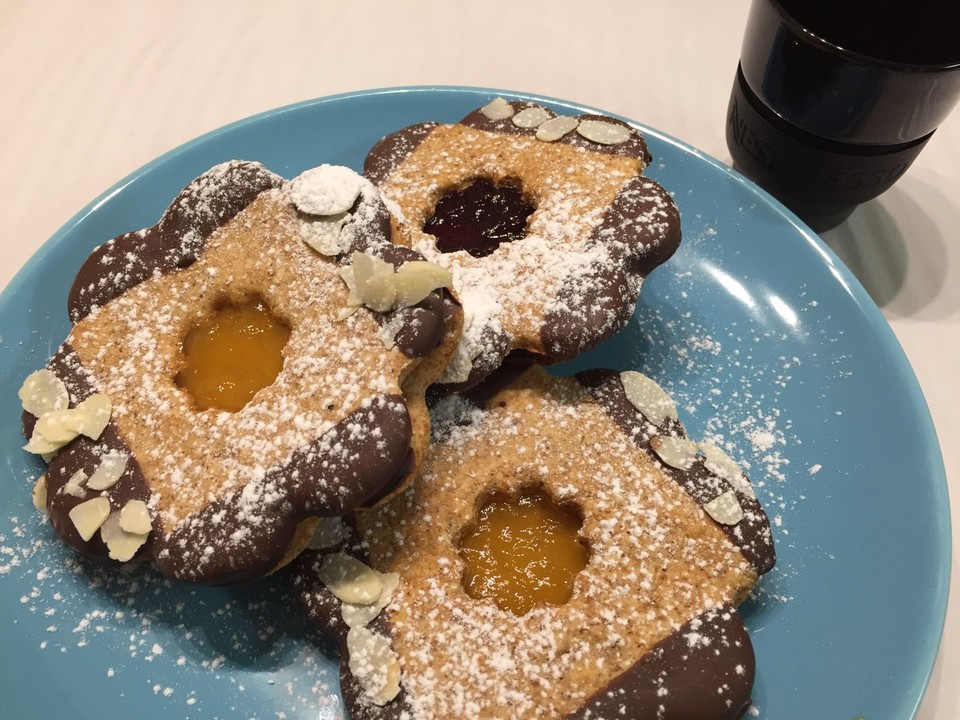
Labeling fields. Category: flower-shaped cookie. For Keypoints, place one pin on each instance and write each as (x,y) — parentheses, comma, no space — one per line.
(546,223)
(675,540)
(230,495)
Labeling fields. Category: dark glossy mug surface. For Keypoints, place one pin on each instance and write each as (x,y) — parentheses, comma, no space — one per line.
(832,101)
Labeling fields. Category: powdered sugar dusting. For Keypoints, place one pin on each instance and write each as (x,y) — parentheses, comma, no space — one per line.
(332,370)
(725,384)
(567,254)
(139,638)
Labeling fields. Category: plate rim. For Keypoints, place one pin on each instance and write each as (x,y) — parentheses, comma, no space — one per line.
(867,308)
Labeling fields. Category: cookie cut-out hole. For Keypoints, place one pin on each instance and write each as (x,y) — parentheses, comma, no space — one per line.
(232,354)
(523,551)
(479,218)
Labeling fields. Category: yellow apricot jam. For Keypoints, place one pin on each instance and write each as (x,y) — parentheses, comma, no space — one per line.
(524,551)
(232,355)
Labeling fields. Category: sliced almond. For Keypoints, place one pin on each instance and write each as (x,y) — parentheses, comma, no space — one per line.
(374,281)
(353,299)
(603,132)
(39,445)
(347,312)
(378,292)
(497,109)
(87,517)
(135,518)
(531,117)
(42,392)
(109,470)
(324,234)
(388,337)
(54,426)
(648,397)
(330,532)
(374,663)
(718,462)
(122,546)
(91,416)
(725,508)
(676,452)
(360,615)
(39,494)
(415,280)
(350,580)
(556,128)
(391,688)
(74,486)
(325,190)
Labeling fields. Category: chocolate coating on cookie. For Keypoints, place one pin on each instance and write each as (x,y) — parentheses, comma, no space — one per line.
(703,671)
(752,534)
(390,151)
(594,305)
(174,242)
(331,476)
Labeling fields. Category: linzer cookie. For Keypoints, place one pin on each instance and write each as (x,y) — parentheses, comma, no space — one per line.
(568,553)
(546,223)
(255,360)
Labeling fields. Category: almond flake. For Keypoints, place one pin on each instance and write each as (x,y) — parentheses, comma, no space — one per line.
(391,687)
(374,282)
(91,416)
(350,580)
(556,128)
(324,234)
(417,279)
(531,117)
(135,518)
(39,494)
(330,532)
(74,486)
(603,132)
(676,452)
(353,299)
(109,470)
(648,397)
(42,392)
(347,312)
(378,292)
(725,508)
(54,427)
(87,517)
(718,462)
(497,109)
(387,334)
(325,190)
(39,445)
(122,546)
(374,664)
(360,615)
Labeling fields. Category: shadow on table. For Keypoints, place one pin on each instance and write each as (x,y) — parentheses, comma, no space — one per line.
(904,264)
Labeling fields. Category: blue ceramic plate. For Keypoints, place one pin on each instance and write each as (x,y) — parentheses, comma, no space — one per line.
(763,335)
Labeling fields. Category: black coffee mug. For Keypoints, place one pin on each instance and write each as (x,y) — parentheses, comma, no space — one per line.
(833,99)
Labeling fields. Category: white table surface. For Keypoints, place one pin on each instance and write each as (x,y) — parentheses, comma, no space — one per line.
(90,91)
